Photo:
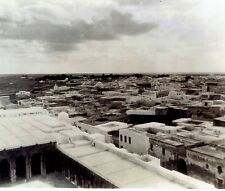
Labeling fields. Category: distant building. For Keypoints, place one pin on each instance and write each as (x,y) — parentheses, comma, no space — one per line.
(220,121)
(23,94)
(58,89)
(160,114)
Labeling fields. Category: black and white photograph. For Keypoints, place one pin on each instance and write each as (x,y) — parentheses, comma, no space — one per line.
(112,94)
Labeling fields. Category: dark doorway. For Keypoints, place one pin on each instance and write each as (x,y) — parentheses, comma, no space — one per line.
(36,164)
(182,166)
(59,162)
(21,167)
(4,170)
(219,183)
(50,161)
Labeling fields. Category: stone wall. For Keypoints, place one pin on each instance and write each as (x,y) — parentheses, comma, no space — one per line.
(206,168)
(138,141)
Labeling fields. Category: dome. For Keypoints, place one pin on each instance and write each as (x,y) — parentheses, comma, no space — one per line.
(63,116)
(99,85)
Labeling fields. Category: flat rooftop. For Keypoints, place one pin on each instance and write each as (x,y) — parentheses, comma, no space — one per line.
(177,141)
(111,126)
(172,142)
(140,112)
(119,170)
(22,129)
(157,126)
(210,151)
(220,119)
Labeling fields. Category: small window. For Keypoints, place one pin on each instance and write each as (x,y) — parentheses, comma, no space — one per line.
(163,151)
(129,140)
(219,169)
(207,166)
(151,147)
(121,147)
(125,139)
(121,137)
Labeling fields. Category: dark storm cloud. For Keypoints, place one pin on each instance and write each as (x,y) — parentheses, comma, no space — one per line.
(63,37)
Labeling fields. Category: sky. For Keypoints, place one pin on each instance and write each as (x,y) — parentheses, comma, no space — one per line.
(112,36)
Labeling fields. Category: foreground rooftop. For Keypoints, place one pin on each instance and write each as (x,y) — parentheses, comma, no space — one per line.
(28,127)
(124,170)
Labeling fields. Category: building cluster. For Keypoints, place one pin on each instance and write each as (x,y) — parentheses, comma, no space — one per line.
(33,143)
(179,119)
(192,147)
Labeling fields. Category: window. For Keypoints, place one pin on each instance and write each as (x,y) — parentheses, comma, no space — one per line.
(121,147)
(163,151)
(207,166)
(125,139)
(151,147)
(121,137)
(219,169)
(129,140)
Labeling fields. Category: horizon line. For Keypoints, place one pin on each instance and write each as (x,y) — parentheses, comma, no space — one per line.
(120,73)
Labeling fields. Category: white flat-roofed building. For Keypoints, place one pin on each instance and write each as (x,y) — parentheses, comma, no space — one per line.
(136,139)
(23,94)
(57,88)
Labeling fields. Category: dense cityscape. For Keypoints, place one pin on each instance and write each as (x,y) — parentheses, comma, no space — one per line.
(112,94)
(101,131)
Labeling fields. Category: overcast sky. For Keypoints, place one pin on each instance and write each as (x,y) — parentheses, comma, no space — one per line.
(75,36)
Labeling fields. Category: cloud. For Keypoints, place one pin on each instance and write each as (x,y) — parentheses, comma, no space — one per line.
(139,2)
(112,35)
(42,23)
